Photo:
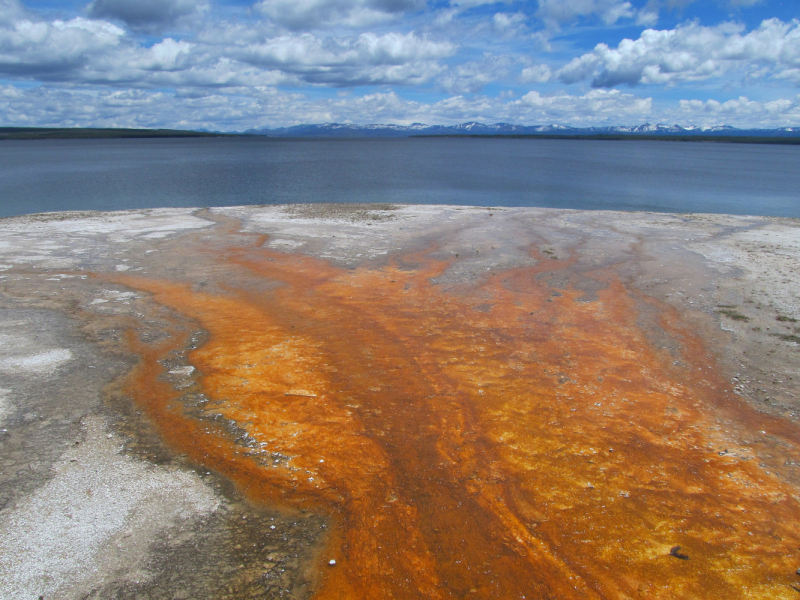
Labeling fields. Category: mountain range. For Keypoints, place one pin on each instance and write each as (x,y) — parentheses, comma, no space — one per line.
(474,128)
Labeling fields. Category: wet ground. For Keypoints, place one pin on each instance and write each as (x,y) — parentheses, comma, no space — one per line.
(373,401)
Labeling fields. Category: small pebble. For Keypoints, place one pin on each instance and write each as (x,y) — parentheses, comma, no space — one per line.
(332,562)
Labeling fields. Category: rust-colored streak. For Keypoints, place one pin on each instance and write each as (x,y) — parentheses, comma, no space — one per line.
(529,446)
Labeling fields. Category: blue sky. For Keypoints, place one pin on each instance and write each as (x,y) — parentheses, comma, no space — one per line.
(233,65)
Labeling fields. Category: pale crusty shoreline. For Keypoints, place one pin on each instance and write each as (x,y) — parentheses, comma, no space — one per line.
(93,505)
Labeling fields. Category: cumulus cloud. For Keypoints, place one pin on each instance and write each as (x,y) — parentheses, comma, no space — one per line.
(367,58)
(535,74)
(742,110)
(11,11)
(142,108)
(472,76)
(311,14)
(252,107)
(117,66)
(647,17)
(601,106)
(94,51)
(690,52)
(596,107)
(146,14)
(509,24)
(249,107)
(557,12)
(88,51)
(40,49)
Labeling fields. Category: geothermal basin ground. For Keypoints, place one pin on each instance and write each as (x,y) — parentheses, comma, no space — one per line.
(399,401)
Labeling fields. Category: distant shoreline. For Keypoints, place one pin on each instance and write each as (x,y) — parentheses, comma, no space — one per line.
(81,133)
(724,139)
(67,133)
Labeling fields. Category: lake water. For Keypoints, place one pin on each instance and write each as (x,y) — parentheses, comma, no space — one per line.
(41,176)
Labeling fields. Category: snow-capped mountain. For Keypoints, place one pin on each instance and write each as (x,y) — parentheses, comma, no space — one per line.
(475,128)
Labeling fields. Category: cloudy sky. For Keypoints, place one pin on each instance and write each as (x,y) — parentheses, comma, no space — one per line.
(232,65)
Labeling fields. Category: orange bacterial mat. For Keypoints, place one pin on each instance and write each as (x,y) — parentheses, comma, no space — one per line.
(491,440)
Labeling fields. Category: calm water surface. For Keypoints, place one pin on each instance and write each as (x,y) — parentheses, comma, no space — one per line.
(40,176)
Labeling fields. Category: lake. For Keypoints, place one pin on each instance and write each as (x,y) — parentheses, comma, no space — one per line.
(56,175)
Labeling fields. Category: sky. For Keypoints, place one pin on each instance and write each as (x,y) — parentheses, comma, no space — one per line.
(235,65)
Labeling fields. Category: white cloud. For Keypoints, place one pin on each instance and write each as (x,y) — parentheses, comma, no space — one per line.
(792,75)
(647,17)
(557,12)
(368,58)
(471,77)
(599,105)
(535,74)
(690,52)
(256,107)
(169,54)
(465,4)
(88,51)
(92,51)
(596,107)
(444,17)
(247,107)
(311,14)
(509,24)
(146,14)
(11,11)
(741,111)
(144,108)
(649,14)
(220,69)
(42,49)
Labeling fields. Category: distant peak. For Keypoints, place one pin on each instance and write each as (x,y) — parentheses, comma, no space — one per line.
(477,128)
